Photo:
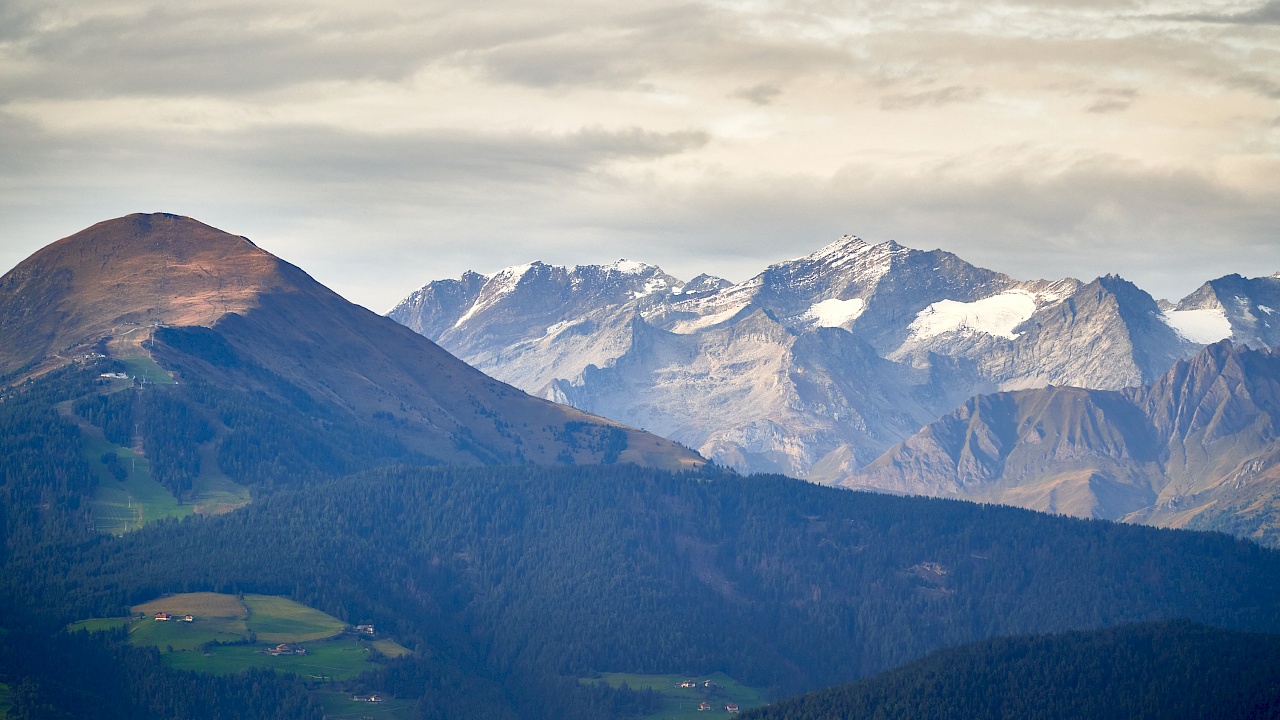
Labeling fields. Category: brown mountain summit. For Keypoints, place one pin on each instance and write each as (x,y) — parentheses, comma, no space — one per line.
(138,270)
(214,309)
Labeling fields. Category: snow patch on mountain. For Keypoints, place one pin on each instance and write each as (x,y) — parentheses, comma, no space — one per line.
(651,286)
(1204,325)
(841,251)
(688,327)
(835,312)
(630,267)
(1266,309)
(997,315)
(502,283)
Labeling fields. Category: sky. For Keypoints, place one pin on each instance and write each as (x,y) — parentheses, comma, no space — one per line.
(380,145)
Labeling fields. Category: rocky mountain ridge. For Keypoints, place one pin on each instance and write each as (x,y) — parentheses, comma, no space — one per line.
(817,365)
(1197,448)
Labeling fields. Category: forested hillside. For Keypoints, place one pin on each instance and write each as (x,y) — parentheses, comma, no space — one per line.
(1156,671)
(511,583)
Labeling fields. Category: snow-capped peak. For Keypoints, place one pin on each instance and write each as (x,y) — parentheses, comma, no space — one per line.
(499,284)
(630,267)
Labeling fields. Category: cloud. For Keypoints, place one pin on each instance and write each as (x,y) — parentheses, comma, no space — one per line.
(930,98)
(1112,100)
(1267,14)
(380,144)
(759,94)
(1167,229)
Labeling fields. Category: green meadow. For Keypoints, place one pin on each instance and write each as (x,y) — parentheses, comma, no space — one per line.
(277,620)
(682,703)
(99,624)
(146,369)
(231,621)
(337,659)
(390,648)
(340,706)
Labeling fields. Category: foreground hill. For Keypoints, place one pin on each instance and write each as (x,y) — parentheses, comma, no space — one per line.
(1197,448)
(817,365)
(225,319)
(1159,671)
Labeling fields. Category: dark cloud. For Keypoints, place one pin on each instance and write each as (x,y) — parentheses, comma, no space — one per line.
(1260,84)
(760,94)
(1267,14)
(1111,100)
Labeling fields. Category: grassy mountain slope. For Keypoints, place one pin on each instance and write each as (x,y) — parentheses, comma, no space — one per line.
(212,309)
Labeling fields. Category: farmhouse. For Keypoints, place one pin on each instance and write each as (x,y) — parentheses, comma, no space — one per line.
(189,618)
(688,684)
(365,629)
(704,705)
(732,708)
(286,649)
(372,698)
(162,616)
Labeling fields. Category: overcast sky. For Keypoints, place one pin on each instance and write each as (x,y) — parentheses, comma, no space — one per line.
(380,145)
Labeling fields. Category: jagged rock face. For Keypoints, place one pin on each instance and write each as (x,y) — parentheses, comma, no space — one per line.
(816,365)
(1243,309)
(171,289)
(1196,448)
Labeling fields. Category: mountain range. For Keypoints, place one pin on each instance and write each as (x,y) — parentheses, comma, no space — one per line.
(818,366)
(181,412)
(1197,448)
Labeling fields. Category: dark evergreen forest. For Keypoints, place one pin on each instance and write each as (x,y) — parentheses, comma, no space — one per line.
(1157,671)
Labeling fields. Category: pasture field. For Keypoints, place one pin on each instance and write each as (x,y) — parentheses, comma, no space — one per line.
(219,618)
(340,706)
(682,703)
(233,620)
(278,620)
(340,659)
(390,648)
(147,369)
(175,636)
(99,624)
(200,604)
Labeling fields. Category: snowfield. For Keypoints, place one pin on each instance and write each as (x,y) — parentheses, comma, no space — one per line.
(1199,326)
(835,313)
(997,315)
